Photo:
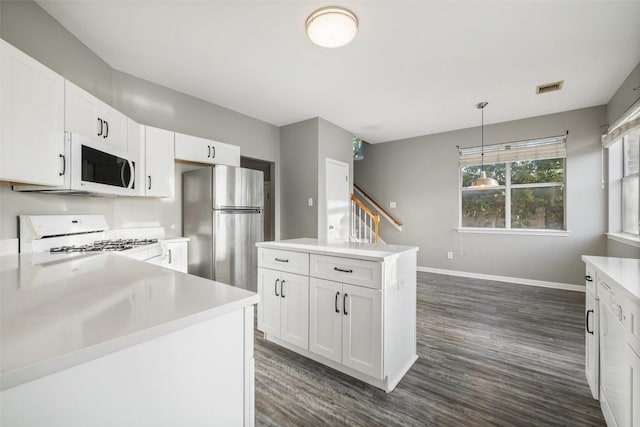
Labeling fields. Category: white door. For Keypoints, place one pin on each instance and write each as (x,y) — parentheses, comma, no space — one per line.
(31,120)
(325,318)
(159,179)
(337,203)
(362,330)
(591,343)
(294,306)
(269,306)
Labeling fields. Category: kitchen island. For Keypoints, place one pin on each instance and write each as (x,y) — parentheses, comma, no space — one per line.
(348,305)
(104,340)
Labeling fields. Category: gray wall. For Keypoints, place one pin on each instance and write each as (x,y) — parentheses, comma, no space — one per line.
(25,25)
(337,144)
(421,174)
(299,169)
(624,98)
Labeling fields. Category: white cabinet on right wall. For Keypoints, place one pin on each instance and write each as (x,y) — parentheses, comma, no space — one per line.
(200,150)
(159,162)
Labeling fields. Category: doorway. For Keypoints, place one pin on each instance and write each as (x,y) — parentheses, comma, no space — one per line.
(269,203)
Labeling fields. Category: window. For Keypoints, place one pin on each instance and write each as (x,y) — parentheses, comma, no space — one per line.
(531,194)
(630,183)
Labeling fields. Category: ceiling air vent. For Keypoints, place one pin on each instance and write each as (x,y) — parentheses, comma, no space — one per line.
(549,87)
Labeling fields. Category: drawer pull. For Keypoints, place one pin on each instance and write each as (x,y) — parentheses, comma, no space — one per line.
(343,270)
(282,260)
(605,285)
(588,278)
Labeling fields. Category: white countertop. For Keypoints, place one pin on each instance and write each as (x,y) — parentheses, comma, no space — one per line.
(625,271)
(58,311)
(364,251)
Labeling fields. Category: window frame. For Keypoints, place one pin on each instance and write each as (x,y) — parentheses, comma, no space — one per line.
(508,187)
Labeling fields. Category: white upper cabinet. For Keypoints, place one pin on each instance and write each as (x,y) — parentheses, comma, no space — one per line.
(159,162)
(31,120)
(87,115)
(200,150)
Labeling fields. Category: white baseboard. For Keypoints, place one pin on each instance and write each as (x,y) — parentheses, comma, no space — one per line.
(516,280)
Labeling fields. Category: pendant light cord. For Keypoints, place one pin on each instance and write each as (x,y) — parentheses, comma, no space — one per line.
(482,139)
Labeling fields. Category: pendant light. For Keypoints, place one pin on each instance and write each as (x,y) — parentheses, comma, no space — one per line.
(482,182)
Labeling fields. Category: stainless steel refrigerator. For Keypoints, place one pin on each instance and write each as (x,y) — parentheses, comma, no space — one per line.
(222,216)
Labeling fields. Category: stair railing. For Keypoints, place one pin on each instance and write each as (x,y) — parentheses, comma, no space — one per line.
(364,222)
(376,207)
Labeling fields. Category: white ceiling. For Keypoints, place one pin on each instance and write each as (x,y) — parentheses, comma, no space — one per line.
(415,67)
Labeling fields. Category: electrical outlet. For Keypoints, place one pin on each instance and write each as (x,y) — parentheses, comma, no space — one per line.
(392,205)
(449,255)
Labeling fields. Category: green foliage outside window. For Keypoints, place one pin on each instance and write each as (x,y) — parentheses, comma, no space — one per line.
(531,206)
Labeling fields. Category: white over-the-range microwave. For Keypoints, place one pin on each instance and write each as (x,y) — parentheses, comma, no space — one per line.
(92,167)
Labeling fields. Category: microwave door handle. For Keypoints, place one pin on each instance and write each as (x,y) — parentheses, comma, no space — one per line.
(133,174)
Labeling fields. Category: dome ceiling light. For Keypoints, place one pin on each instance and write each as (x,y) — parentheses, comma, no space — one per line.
(332,26)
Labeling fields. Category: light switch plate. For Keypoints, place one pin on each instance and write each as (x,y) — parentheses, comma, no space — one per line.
(310,201)
(392,205)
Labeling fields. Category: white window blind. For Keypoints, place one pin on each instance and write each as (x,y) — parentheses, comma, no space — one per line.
(627,125)
(553,147)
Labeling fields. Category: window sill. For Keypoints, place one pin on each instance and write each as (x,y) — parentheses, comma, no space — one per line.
(627,239)
(522,232)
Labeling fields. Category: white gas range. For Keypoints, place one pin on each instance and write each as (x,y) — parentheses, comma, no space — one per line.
(80,234)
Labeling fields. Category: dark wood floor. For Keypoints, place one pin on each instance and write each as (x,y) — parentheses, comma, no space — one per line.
(490,353)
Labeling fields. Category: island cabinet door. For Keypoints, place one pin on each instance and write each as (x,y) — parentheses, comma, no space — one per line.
(269,306)
(362,330)
(294,306)
(325,318)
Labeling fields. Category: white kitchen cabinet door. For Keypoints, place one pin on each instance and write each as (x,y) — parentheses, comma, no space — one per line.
(269,307)
(294,295)
(31,120)
(591,345)
(634,374)
(87,115)
(362,330)
(159,162)
(201,150)
(177,256)
(325,318)
(136,143)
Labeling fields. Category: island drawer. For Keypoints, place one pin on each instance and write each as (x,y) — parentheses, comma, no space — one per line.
(347,270)
(292,262)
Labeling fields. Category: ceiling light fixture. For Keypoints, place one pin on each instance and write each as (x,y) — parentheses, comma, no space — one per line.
(482,182)
(332,26)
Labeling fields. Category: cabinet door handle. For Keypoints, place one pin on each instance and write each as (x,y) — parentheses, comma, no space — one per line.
(343,270)
(209,152)
(170,259)
(101,126)
(282,260)
(276,288)
(336,302)
(282,289)
(64,165)
(586,322)
(213,151)
(149,176)
(344,304)
(106,126)
(588,278)
(606,286)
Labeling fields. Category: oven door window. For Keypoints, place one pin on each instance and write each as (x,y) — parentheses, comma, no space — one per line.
(104,168)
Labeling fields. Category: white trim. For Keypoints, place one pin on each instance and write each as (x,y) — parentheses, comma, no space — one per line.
(627,239)
(520,231)
(514,280)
